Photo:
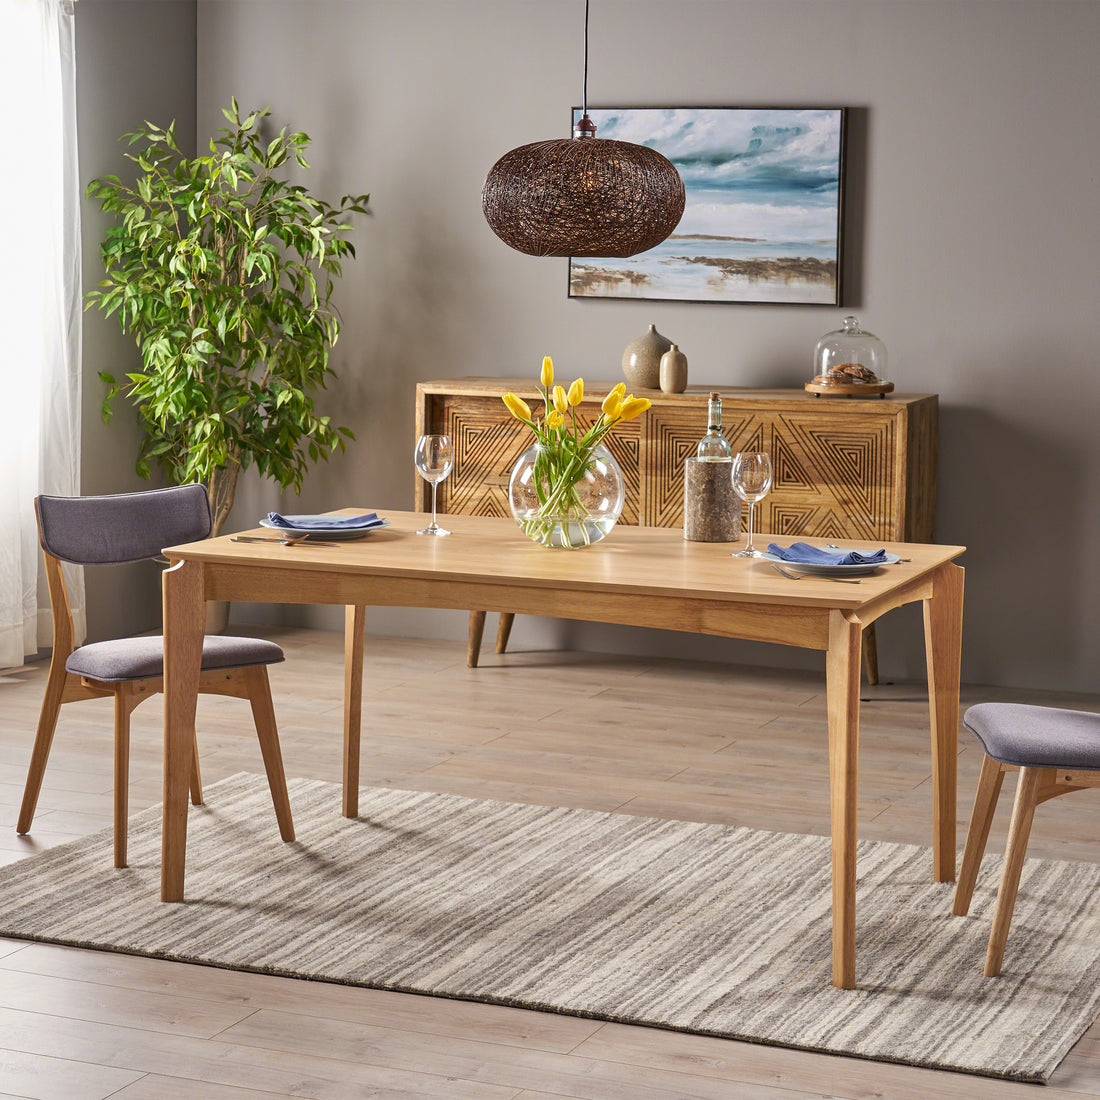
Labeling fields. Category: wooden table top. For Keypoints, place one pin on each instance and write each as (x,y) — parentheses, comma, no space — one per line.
(639,561)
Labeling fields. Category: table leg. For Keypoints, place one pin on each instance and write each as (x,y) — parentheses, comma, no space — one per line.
(184,624)
(355,621)
(842,680)
(943,647)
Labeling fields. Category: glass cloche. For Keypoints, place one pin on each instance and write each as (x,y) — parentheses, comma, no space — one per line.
(850,361)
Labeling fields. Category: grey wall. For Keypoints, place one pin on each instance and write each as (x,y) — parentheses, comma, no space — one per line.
(134,61)
(976,156)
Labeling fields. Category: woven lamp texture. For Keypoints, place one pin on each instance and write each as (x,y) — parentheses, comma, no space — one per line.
(583,196)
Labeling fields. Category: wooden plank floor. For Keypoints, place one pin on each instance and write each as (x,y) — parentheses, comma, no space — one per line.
(685,740)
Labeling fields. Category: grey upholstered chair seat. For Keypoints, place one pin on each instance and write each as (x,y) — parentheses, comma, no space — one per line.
(142,658)
(1036,737)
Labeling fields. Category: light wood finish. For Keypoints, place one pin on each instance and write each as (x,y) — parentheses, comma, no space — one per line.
(63,687)
(943,646)
(504,629)
(1023,811)
(473,642)
(977,836)
(355,619)
(842,678)
(848,469)
(1034,786)
(83,1023)
(644,576)
(843,389)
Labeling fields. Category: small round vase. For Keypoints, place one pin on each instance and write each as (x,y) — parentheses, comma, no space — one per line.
(642,360)
(562,513)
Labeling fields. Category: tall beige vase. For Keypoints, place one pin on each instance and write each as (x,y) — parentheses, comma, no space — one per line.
(674,371)
(642,360)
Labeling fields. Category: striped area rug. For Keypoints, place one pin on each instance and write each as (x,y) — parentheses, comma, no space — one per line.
(703,928)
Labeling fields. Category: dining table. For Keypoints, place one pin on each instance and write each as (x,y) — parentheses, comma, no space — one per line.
(638,576)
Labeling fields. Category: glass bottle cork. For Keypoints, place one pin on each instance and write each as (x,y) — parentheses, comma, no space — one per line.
(714,447)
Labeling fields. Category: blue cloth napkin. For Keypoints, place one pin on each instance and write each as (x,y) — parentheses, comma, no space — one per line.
(324,523)
(805,554)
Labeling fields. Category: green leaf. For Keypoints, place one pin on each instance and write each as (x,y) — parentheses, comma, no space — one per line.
(223,273)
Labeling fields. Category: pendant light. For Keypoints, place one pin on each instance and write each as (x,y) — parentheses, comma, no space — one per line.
(583,196)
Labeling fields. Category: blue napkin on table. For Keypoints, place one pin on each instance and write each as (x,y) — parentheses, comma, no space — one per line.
(804,554)
(324,523)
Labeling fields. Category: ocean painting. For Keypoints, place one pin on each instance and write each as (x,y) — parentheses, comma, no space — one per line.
(762,221)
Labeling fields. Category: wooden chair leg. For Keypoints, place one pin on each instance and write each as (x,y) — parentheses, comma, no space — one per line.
(196,775)
(870,654)
(43,739)
(1023,811)
(504,628)
(124,704)
(473,641)
(981,818)
(263,711)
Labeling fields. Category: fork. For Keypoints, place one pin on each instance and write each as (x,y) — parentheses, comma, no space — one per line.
(798,576)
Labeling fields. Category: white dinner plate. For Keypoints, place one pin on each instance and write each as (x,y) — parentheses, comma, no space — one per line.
(326,533)
(834,570)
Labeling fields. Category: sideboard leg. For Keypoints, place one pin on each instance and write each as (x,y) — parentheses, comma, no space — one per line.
(503,630)
(870,654)
(473,643)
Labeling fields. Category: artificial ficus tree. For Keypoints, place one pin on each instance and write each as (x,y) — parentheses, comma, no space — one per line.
(223,272)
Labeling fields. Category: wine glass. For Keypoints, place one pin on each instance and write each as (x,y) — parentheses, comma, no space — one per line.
(752,478)
(434,458)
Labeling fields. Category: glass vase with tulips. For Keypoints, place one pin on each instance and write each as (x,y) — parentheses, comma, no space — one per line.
(566,490)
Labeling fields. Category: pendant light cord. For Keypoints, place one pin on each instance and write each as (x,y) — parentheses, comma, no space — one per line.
(585,128)
(584,87)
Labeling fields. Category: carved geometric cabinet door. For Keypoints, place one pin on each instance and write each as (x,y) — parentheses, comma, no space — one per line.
(861,469)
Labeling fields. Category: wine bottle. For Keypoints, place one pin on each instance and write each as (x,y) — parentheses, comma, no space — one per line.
(714,447)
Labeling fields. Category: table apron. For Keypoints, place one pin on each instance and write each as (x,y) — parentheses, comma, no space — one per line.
(794,625)
(921,588)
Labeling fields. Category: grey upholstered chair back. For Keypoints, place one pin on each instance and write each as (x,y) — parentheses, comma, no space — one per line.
(110,530)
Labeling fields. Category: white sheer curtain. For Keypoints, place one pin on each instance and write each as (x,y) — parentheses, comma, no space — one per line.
(39,304)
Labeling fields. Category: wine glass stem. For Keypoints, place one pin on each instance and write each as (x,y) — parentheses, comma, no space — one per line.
(752,508)
(435,486)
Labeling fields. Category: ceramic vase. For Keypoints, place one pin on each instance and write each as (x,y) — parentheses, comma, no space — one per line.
(674,371)
(642,360)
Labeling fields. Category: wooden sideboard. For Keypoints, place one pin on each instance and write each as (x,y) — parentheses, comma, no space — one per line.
(859,469)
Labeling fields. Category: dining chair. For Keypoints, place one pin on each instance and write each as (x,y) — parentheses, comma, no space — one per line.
(113,530)
(1056,751)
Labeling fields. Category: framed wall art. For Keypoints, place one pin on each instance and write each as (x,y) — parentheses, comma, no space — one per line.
(763,217)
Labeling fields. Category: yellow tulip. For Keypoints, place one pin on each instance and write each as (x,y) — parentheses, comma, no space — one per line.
(612,403)
(547,378)
(561,402)
(517,406)
(555,419)
(620,389)
(634,406)
(576,392)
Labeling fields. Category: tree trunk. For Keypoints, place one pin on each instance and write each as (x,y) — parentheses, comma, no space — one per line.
(222,487)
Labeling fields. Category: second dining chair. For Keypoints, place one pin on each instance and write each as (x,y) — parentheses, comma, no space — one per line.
(113,530)
(1056,751)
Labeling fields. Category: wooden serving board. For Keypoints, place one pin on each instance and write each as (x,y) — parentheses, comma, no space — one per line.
(856,389)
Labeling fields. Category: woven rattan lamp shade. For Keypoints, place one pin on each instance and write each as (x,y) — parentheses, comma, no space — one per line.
(583,196)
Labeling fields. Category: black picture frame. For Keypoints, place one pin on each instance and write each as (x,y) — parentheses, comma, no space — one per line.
(763,220)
